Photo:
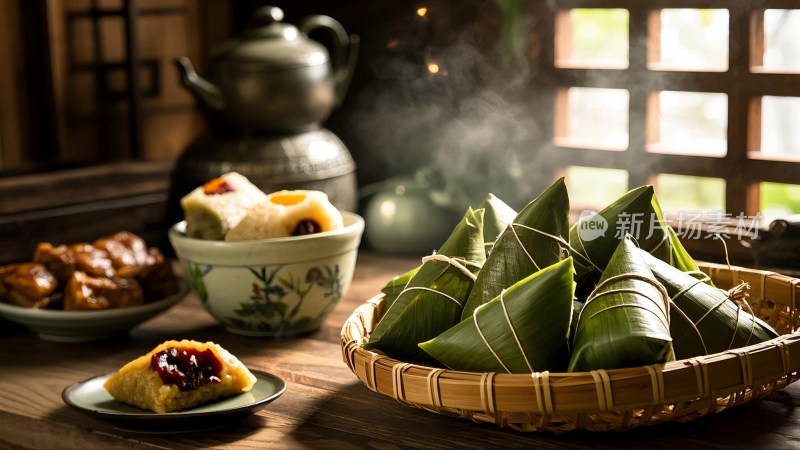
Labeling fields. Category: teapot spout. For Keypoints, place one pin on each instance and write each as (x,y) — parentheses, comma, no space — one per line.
(203,90)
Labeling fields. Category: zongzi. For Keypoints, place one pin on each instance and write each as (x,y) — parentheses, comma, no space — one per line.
(434,297)
(625,321)
(704,319)
(537,238)
(594,238)
(523,330)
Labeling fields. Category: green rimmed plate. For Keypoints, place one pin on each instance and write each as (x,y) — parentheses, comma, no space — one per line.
(84,326)
(90,397)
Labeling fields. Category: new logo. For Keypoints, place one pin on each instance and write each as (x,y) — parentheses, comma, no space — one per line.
(591,225)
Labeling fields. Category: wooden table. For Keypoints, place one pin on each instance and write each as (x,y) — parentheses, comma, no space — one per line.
(325,405)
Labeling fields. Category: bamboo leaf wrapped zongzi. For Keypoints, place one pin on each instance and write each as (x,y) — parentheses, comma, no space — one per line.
(625,321)
(537,238)
(433,299)
(638,213)
(524,330)
(704,319)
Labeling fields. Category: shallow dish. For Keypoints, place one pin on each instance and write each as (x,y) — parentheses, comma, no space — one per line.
(82,326)
(90,397)
(271,287)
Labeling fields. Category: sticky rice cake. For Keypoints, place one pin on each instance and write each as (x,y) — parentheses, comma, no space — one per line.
(213,209)
(287,213)
(215,373)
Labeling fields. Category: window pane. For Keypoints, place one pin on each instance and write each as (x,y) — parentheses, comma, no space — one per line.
(592,118)
(594,188)
(691,123)
(595,38)
(780,133)
(781,45)
(681,193)
(778,201)
(695,39)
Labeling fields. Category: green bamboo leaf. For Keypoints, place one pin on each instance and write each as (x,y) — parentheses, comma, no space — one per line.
(530,243)
(396,285)
(639,213)
(703,319)
(523,331)
(624,322)
(497,217)
(592,256)
(434,297)
(671,250)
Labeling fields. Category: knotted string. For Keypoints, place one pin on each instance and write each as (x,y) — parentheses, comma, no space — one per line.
(459,263)
(739,291)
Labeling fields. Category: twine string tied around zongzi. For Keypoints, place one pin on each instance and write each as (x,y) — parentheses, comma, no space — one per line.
(483,338)
(459,263)
(662,306)
(558,239)
(584,255)
(513,330)
(423,288)
(680,312)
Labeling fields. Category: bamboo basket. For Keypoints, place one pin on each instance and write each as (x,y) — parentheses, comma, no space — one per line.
(601,400)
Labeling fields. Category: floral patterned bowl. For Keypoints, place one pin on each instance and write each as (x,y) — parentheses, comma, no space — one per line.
(271,287)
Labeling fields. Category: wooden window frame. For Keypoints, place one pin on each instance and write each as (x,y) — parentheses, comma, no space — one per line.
(744,83)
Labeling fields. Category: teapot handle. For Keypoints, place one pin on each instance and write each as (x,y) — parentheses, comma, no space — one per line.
(344,54)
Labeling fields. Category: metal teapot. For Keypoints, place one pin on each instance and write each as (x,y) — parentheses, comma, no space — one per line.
(273,77)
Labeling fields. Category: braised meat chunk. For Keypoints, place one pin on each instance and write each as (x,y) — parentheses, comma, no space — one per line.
(132,259)
(86,292)
(157,279)
(27,284)
(125,249)
(63,260)
(115,271)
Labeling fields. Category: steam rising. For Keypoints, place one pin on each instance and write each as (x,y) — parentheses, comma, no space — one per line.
(457,108)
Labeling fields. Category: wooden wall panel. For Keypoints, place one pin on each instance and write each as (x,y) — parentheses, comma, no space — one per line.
(90,100)
(11,80)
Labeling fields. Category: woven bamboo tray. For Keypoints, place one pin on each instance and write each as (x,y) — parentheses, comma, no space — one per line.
(601,400)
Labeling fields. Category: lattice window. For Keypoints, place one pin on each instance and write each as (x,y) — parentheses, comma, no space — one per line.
(702,103)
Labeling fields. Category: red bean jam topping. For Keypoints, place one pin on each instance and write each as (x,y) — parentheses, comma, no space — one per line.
(217,186)
(306,227)
(187,368)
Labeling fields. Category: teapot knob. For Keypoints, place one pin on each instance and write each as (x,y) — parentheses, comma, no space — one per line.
(267,15)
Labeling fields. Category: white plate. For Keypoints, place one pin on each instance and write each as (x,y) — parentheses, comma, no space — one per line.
(82,326)
(90,397)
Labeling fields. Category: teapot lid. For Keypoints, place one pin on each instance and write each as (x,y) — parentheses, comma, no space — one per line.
(272,43)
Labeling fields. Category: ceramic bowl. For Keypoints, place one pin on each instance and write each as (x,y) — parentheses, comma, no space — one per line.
(271,287)
(82,326)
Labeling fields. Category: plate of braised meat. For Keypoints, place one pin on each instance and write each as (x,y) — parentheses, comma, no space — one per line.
(89,291)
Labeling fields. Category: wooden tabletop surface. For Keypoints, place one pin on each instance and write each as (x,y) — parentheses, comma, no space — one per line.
(325,405)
